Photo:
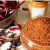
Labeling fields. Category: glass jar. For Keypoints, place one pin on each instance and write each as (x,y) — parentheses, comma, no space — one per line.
(37,8)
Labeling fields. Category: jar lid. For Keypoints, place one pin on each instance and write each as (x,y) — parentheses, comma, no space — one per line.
(39,4)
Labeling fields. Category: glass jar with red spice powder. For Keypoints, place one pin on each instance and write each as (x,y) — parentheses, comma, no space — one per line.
(36,34)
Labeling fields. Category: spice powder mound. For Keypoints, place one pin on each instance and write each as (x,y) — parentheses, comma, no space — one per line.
(38,30)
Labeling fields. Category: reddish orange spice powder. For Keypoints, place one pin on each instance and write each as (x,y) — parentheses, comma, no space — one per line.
(38,30)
